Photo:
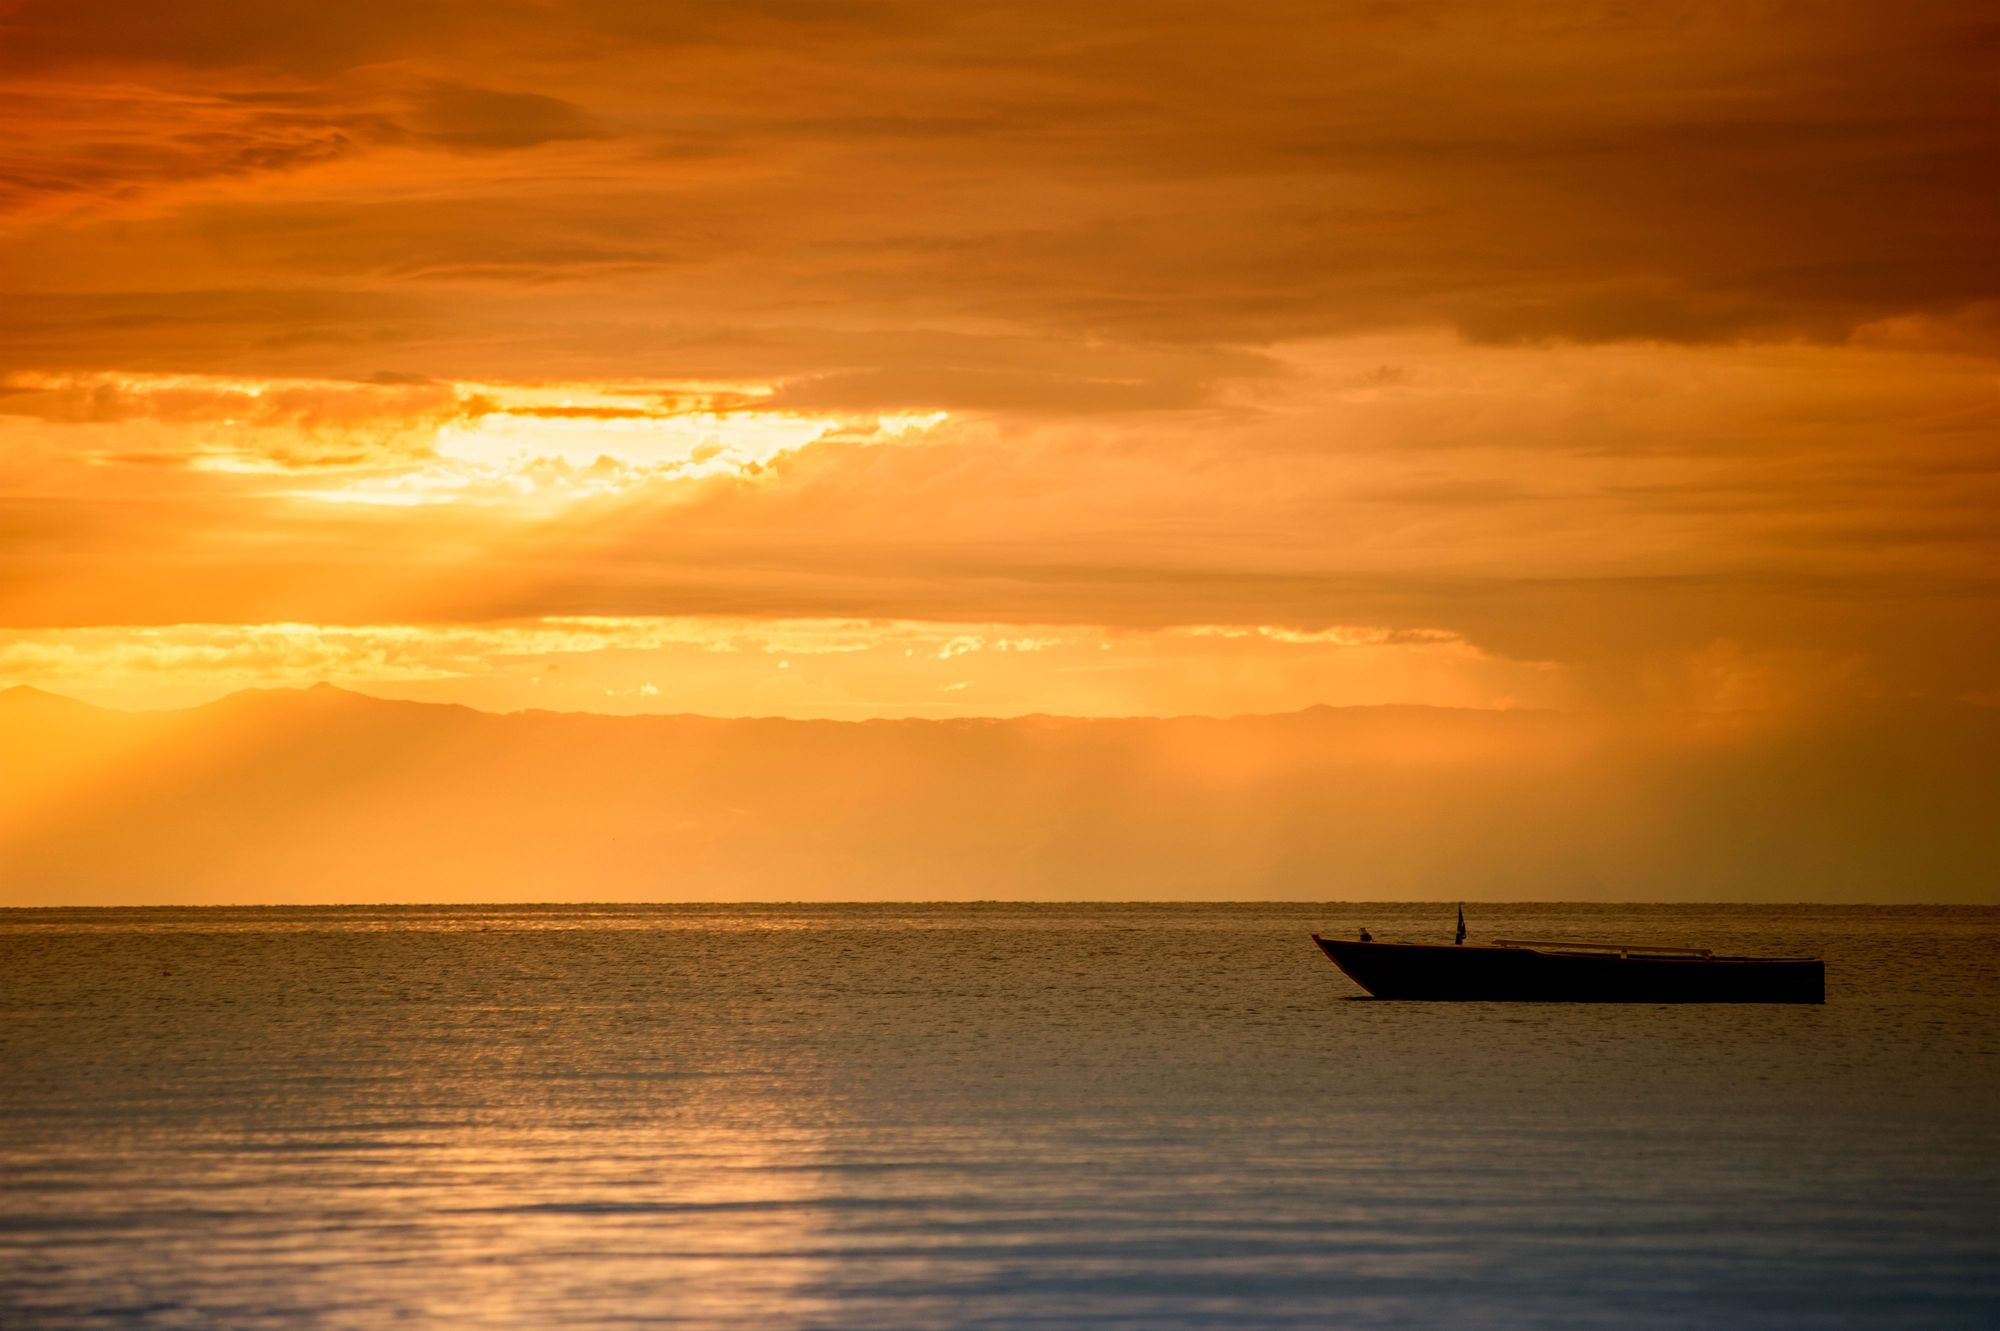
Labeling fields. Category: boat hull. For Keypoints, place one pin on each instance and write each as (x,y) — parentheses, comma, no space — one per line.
(1528,975)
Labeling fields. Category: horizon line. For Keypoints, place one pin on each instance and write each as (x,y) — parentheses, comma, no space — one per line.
(1010,901)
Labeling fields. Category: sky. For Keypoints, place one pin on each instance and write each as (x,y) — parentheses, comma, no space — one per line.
(322,795)
(858,360)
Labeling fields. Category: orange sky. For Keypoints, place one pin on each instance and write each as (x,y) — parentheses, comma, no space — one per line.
(857,359)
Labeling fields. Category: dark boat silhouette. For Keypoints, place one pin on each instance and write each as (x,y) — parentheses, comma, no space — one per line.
(1519,971)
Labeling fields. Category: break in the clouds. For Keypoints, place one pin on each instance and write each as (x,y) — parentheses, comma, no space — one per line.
(831,668)
(1649,349)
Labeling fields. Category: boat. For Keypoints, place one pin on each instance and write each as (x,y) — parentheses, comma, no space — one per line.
(1527,971)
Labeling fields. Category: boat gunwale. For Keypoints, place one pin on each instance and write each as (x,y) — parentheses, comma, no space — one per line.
(1581,951)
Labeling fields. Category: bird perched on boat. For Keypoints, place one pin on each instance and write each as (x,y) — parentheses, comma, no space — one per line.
(1366,937)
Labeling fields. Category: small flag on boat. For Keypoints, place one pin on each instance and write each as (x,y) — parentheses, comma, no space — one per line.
(1461,923)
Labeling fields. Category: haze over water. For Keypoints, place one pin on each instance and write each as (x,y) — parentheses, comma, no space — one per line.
(986,1116)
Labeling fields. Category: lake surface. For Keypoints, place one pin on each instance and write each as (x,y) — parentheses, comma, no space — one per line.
(978,1116)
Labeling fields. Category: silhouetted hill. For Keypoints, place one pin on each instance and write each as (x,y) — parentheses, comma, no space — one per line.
(321,794)
(26,696)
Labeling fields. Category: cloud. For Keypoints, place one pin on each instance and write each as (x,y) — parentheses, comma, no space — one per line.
(1522,173)
(102,398)
(199,331)
(729,666)
(1687,318)
(114,143)
(122,146)
(986,390)
(474,119)
(1614,509)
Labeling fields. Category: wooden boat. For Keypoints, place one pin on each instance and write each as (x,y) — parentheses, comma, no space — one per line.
(1522,971)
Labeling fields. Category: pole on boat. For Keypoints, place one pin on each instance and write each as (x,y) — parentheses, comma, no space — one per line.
(1461,923)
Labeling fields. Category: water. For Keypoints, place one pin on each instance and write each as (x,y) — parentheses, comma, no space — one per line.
(977,1116)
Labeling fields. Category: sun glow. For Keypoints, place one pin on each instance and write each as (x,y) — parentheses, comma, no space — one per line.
(412,444)
(692,444)
(804,666)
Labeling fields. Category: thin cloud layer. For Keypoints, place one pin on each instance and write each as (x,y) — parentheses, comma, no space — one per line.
(1156,172)
(833,668)
(1655,344)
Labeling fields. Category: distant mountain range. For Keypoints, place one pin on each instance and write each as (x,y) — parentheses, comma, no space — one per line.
(325,795)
